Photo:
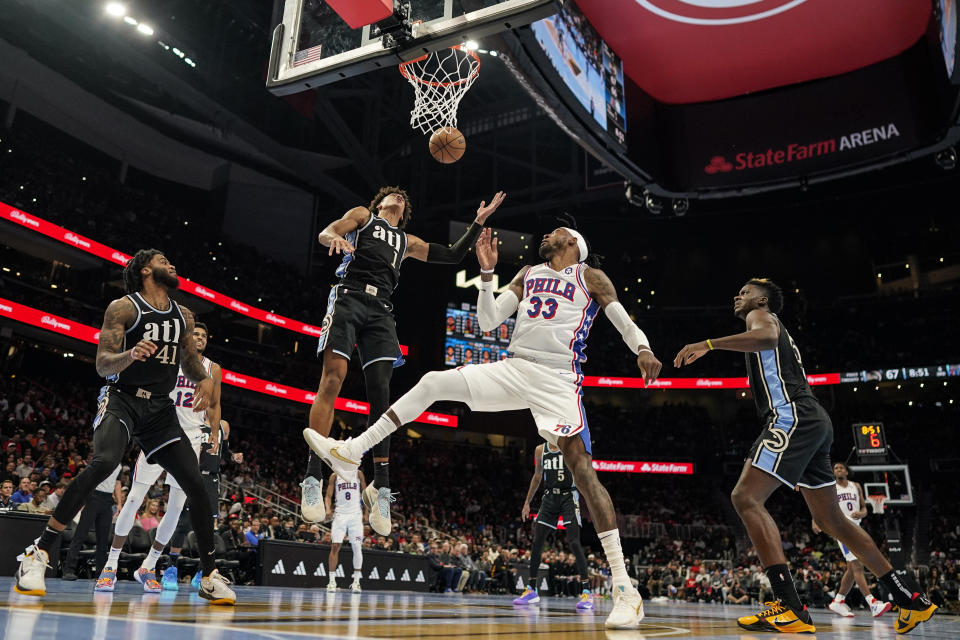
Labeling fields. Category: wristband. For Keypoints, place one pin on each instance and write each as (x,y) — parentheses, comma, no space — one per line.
(487,272)
(132,356)
(642,348)
(709,344)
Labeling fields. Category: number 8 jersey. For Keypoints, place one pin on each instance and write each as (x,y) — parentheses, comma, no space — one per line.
(554,317)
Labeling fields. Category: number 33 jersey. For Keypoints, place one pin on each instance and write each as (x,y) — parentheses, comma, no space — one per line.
(554,317)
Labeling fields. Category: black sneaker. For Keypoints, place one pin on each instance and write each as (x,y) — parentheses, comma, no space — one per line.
(69,575)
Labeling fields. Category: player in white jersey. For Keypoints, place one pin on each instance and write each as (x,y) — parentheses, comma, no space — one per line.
(555,303)
(852,504)
(347,522)
(146,474)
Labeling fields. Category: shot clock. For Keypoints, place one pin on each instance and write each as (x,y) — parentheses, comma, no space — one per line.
(871,439)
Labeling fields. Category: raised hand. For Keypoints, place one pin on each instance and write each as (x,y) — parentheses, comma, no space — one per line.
(484,211)
(487,250)
(690,353)
(340,245)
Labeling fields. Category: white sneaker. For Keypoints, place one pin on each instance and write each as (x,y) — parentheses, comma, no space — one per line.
(311,500)
(378,502)
(338,454)
(880,607)
(331,586)
(214,588)
(33,565)
(355,587)
(841,609)
(627,609)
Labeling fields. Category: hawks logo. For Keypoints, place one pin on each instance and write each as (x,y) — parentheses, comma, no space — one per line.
(714,13)
(327,321)
(779,442)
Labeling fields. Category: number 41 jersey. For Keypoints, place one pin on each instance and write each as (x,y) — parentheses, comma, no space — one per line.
(158,373)
(554,317)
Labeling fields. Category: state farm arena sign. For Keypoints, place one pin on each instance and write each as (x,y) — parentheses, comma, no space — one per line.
(630,466)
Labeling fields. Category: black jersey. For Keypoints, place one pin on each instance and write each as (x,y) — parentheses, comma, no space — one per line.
(158,373)
(375,261)
(210,462)
(556,473)
(776,375)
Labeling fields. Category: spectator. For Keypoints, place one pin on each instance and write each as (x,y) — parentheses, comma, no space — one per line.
(36,503)
(54,498)
(253,535)
(23,494)
(150,516)
(6,501)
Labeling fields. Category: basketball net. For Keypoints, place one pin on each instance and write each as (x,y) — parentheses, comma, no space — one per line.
(440,80)
(878,502)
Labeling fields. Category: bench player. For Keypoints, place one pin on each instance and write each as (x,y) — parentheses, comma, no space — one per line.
(359,312)
(560,499)
(555,303)
(347,522)
(852,504)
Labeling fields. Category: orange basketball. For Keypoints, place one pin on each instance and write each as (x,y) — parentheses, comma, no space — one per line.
(447,145)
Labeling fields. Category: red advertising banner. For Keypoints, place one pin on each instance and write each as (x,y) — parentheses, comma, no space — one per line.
(666,468)
(37,318)
(118,257)
(693,383)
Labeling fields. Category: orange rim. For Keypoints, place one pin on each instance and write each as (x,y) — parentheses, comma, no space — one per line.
(411,76)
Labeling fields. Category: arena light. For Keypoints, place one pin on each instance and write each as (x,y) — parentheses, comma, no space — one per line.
(115,9)
(471,45)
(145,29)
(130,21)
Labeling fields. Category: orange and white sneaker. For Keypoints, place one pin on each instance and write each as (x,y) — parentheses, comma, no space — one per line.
(30,575)
(148,578)
(107,580)
(214,588)
(779,618)
(908,619)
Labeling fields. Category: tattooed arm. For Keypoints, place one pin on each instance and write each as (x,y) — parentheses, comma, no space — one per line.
(120,315)
(192,367)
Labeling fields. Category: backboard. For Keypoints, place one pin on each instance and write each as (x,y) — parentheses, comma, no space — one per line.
(313,46)
(890,479)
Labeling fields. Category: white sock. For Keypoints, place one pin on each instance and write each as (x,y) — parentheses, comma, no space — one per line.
(611,548)
(150,562)
(113,559)
(840,598)
(870,599)
(374,434)
(356,575)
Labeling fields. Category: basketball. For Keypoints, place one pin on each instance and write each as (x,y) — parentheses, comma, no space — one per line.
(447,145)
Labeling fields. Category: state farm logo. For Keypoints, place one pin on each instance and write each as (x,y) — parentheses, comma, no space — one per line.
(22,218)
(716,13)
(718,164)
(355,406)
(645,467)
(119,257)
(200,291)
(238,306)
(53,322)
(275,319)
(234,379)
(272,388)
(77,240)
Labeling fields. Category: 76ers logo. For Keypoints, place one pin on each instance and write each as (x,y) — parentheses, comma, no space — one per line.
(712,13)
(779,440)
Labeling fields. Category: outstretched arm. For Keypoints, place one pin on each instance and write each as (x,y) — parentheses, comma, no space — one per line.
(602,290)
(763,332)
(534,483)
(491,313)
(191,365)
(333,235)
(213,409)
(439,254)
(120,315)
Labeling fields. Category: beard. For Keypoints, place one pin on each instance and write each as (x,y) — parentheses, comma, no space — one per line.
(545,251)
(163,278)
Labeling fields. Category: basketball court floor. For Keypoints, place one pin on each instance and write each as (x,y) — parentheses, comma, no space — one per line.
(72,610)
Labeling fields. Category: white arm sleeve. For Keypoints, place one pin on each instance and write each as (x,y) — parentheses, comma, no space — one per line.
(632,335)
(491,313)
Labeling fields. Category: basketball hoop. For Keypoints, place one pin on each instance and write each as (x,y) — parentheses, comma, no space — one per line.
(878,503)
(440,79)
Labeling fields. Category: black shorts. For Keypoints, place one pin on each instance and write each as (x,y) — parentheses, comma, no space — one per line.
(554,505)
(152,422)
(794,447)
(355,317)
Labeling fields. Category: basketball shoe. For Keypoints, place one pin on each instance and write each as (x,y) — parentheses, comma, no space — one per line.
(908,619)
(627,609)
(841,609)
(529,596)
(379,517)
(148,578)
(30,576)
(195,583)
(780,618)
(311,506)
(339,455)
(170,580)
(214,588)
(879,607)
(355,586)
(332,585)
(107,580)
(586,601)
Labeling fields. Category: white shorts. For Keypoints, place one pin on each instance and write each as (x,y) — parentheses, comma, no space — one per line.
(553,396)
(349,526)
(146,473)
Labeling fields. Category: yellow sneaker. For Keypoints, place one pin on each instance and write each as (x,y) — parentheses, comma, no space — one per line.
(780,618)
(907,619)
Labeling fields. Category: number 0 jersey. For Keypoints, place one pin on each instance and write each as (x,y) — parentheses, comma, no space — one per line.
(158,373)
(848,498)
(182,396)
(554,317)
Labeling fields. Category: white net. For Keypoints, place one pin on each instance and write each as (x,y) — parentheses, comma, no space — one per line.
(440,80)
(878,503)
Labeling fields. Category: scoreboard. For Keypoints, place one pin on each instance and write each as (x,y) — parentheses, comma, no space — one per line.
(870,439)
